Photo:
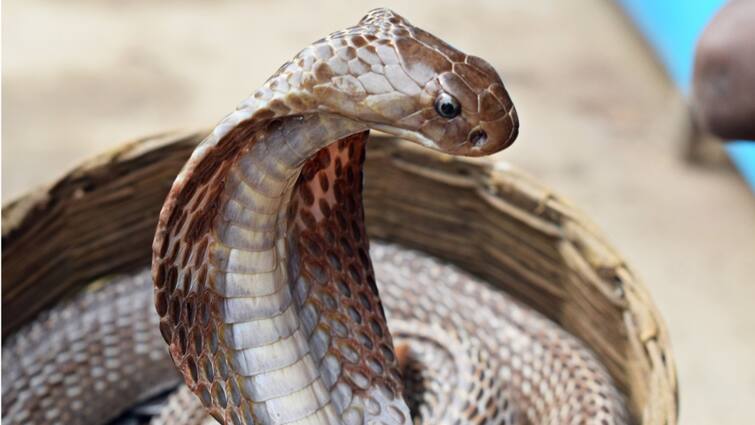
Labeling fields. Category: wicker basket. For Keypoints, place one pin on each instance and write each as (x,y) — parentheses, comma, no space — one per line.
(497,224)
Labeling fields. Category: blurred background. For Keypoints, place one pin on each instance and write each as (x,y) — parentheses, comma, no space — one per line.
(602,123)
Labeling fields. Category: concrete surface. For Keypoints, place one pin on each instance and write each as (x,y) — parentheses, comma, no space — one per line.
(600,125)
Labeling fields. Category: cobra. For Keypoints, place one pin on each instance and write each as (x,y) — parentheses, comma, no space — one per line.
(263,275)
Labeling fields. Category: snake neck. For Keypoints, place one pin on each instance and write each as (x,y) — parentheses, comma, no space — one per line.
(265,286)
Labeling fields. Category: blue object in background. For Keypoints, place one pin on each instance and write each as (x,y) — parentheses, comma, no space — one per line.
(673,27)
(743,155)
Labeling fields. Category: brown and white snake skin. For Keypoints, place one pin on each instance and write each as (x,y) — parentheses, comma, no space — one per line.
(264,280)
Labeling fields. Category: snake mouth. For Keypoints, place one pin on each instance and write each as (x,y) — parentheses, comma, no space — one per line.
(409,135)
(476,144)
(486,138)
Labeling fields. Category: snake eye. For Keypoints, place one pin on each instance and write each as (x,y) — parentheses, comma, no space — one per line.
(447,106)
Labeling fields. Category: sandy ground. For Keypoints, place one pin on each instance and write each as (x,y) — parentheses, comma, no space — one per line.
(600,125)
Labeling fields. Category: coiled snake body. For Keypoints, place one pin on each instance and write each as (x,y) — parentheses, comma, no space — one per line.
(264,283)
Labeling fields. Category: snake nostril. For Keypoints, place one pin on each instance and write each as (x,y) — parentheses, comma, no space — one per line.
(478,137)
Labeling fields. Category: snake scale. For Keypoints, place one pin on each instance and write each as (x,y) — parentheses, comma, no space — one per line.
(276,308)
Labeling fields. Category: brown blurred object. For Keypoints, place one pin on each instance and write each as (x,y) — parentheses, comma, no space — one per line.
(724,74)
